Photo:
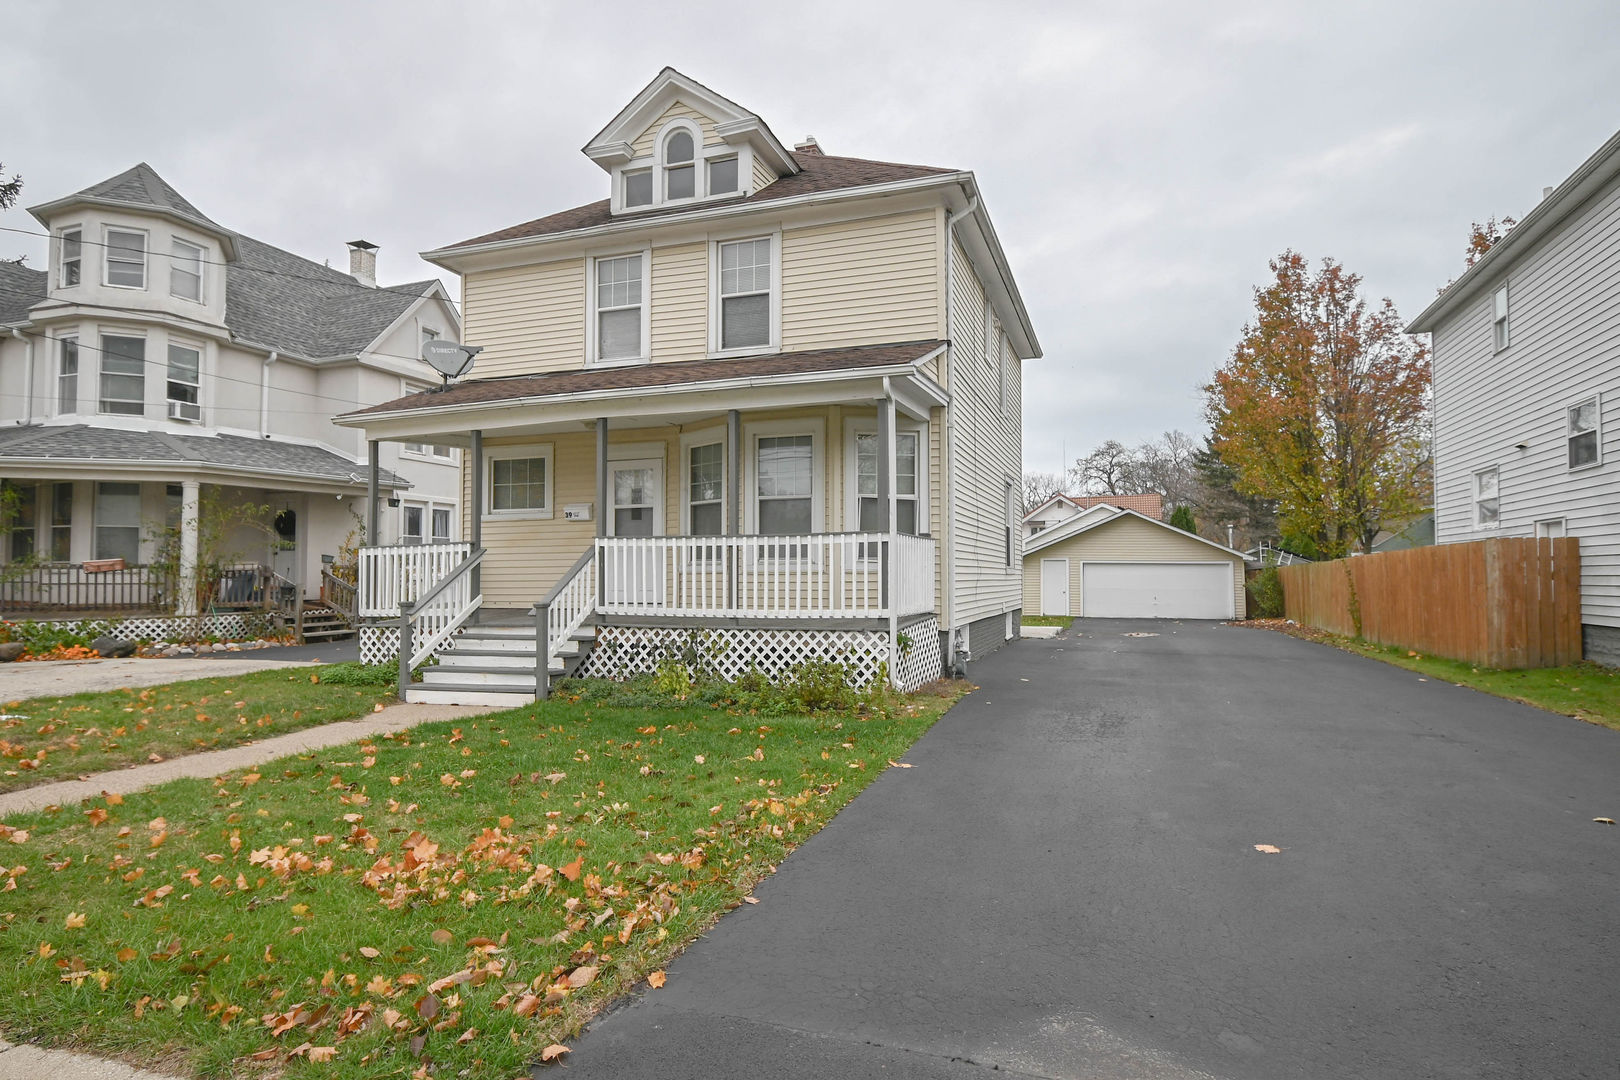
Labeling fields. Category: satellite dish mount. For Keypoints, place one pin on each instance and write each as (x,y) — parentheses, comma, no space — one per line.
(450,359)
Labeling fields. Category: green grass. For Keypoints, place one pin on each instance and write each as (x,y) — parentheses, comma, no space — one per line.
(1048,620)
(60,738)
(569,836)
(1585,691)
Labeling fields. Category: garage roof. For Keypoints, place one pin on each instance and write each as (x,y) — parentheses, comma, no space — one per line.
(1085,522)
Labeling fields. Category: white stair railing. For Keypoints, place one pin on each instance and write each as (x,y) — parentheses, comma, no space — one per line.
(427,622)
(562,612)
(389,576)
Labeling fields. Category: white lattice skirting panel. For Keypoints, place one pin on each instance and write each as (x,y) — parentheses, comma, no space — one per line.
(233,627)
(919,659)
(625,651)
(379,644)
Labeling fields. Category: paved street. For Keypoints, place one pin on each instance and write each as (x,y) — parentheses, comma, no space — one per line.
(1066,885)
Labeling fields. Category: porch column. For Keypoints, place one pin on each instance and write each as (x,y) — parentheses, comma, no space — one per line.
(885,464)
(187,584)
(475,516)
(601,505)
(373,538)
(733,501)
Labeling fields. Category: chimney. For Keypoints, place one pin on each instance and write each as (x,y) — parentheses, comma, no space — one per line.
(809,146)
(363,262)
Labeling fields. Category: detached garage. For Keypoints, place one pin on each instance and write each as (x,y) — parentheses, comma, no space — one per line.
(1118,564)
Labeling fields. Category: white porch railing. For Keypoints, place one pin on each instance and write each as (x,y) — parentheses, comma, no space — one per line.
(811,576)
(390,576)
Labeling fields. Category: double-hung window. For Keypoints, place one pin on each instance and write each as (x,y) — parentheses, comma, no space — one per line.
(1582,434)
(62,521)
(72,266)
(67,375)
(1487,499)
(410,531)
(905,482)
(619,308)
(680,172)
(123,375)
(126,259)
(185,270)
(785,473)
(1499,320)
(441,524)
(23,515)
(118,522)
(184,366)
(745,293)
(705,488)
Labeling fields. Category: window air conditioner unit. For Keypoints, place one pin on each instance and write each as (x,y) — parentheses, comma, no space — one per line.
(189,411)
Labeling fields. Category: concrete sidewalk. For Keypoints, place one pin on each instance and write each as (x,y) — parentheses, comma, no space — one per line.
(124,781)
(33,1063)
(58,678)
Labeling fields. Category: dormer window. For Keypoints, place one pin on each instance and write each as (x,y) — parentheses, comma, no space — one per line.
(72,257)
(638,188)
(680,173)
(722,176)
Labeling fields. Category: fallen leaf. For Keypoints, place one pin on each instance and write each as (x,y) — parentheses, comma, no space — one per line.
(582,977)
(571,871)
(322,1053)
(1268,849)
(75,920)
(443,937)
(1604,820)
(901,764)
(553,1052)
(656,980)
(750,899)
(126,954)
(369,953)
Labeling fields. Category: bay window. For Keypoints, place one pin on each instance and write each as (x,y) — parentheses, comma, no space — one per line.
(123,375)
(184,367)
(185,270)
(67,375)
(72,265)
(126,259)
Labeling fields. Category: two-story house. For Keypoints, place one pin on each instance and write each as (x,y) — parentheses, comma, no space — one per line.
(162,364)
(1526,354)
(758,406)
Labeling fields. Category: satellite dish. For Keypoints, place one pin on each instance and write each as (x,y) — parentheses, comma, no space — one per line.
(448,358)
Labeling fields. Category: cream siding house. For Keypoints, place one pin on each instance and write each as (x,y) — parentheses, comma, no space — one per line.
(765,397)
(1526,357)
(163,362)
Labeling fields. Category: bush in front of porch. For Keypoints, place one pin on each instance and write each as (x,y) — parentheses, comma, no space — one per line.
(815,687)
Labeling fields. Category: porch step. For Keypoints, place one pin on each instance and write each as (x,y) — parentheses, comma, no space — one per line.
(468,695)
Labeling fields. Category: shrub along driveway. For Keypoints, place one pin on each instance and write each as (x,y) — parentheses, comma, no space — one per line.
(1067,885)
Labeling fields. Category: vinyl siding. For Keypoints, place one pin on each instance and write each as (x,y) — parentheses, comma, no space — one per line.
(680,302)
(529,319)
(1124,539)
(987,454)
(1564,302)
(861,282)
(644,142)
(763,176)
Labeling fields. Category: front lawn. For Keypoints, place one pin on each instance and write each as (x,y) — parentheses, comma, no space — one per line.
(60,738)
(1048,620)
(447,901)
(1585,691)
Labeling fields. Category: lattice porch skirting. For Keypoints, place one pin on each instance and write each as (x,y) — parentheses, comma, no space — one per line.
(379,643)
(232,626)
(622,652)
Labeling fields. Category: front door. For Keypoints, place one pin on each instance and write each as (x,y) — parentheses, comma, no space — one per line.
(1054,586)
(634,574)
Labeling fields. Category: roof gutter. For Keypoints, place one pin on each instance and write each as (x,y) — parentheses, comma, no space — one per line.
(354,480)
(752,382)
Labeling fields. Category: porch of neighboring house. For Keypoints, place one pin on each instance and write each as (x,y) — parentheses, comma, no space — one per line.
(81,549)
(726,538)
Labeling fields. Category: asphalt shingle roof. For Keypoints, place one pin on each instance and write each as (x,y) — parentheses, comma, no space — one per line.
(94,445)
(817,172)
(20,289)
(676,373)
(140,185)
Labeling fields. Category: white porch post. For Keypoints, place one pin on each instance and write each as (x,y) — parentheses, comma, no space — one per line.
(733,501)
(373,537)
(475,516)
(602,507)
(189,525)
(886,524)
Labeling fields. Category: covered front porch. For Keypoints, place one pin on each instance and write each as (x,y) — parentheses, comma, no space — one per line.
(746,526)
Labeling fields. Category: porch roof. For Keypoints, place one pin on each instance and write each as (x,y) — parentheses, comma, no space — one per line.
(226,458)
(684,374)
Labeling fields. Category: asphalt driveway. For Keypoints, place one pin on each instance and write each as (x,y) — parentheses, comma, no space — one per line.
(1066,885)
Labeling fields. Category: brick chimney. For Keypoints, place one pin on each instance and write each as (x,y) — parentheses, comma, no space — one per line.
(809,146)
(363,262)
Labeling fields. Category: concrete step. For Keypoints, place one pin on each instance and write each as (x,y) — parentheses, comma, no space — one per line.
(492,658)
(468,695)
(488,677)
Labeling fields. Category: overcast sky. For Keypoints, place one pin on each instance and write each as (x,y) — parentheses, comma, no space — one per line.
(1141,161)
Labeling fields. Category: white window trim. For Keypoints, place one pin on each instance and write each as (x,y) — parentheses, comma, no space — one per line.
(202,270)
(419,455)
(1506,320)
(1597,402)
(506,453)
(715,329)
(106,257)
(1561,522)
(814,427)
(707,436)
(1473,497)
(202,376)
(853,429)
(102,334)
(700,172)
(61,255)
(78,375)
(646,309)
(654,162)
(428,508)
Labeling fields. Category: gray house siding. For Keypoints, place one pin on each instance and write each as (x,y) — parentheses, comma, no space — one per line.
(1564,301)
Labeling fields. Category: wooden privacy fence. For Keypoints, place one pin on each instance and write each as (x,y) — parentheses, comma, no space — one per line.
(1508,603)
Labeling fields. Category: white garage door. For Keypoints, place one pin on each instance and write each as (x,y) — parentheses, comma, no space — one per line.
(1157,590)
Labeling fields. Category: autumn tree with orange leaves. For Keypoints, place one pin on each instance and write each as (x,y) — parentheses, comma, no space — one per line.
(1323,407)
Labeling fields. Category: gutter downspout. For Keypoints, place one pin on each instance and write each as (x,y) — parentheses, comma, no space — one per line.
(948,437)
(264,393)
(28,397)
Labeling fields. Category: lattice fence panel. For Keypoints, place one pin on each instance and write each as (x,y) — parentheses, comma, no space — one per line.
(232,626)
(625,651)
(379,643)
(922,661)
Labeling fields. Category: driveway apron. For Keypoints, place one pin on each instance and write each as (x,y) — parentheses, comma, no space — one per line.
(1067,885)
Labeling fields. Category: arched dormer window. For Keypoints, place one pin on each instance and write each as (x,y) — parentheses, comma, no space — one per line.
(680,166)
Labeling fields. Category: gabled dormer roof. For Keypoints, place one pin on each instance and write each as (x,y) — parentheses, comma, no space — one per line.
(612,146)
(139,188)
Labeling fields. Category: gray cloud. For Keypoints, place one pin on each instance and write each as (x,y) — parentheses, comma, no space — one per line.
(1142,161)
